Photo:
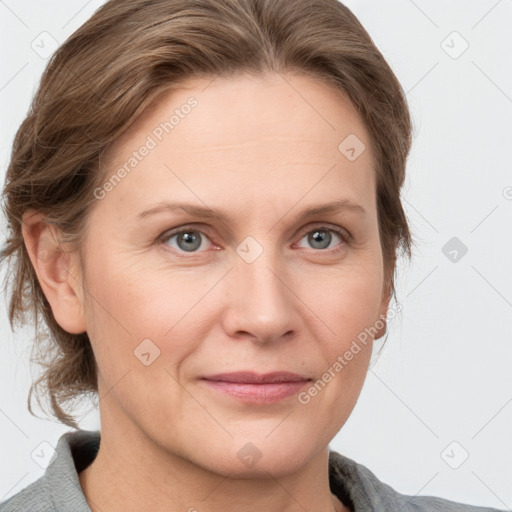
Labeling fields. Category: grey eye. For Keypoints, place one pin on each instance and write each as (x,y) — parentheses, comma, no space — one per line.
(320,238)
(188,241)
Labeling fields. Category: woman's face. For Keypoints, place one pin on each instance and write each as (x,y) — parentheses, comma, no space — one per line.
(265,289)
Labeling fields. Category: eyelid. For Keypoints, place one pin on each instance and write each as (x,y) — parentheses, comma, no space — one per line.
(343,232)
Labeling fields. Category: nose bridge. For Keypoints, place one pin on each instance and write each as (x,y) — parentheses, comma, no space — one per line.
(260,294)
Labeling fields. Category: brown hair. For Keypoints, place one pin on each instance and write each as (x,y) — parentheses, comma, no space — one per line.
(107,72)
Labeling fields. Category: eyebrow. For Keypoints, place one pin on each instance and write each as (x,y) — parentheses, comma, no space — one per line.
(209,213)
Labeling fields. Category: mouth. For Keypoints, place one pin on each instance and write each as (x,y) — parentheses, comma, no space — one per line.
(249,377)
(253,388)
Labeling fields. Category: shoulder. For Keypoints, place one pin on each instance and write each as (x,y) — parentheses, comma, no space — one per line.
(35,497)
(364,491)
(59,487)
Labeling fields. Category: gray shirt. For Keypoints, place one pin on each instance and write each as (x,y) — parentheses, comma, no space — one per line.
(355,485)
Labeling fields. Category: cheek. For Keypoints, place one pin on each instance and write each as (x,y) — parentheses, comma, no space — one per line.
(346,300)
(348,310)
(346,303)
(131,303)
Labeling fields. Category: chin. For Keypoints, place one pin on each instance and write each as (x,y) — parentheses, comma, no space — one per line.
(259,458)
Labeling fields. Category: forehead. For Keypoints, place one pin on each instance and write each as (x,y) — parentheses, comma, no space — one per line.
(237,107)
(247,140)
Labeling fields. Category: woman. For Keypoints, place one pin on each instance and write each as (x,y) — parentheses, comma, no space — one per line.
(268,136)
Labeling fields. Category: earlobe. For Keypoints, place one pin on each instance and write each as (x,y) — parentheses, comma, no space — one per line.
(382,330)
(56,272)
(381,323)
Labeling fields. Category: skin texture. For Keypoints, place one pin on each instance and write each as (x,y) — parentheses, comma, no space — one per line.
(263,149)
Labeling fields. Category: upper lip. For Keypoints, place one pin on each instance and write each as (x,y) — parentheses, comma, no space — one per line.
(255,378)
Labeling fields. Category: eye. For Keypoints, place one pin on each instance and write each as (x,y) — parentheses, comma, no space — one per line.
(186,239)
(320,238)
(189,239)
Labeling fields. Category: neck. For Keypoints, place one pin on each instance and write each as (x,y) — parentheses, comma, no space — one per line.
(146,477)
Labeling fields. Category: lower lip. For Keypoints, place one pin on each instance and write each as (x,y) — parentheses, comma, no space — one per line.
(258,393)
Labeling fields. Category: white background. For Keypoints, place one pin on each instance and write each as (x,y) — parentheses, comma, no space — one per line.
(444,374)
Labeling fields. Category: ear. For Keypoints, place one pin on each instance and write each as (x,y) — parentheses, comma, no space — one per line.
(383,312)
(56,272)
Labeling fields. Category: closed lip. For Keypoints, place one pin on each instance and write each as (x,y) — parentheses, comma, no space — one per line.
(255,378)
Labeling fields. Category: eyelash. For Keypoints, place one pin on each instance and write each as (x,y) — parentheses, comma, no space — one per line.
(344,235)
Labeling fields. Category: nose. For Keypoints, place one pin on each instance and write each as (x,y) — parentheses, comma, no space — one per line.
(259,300)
